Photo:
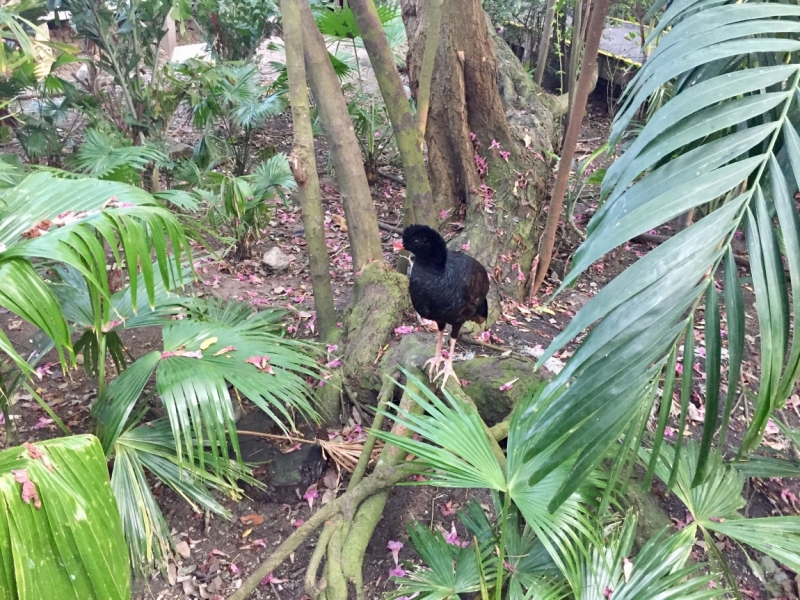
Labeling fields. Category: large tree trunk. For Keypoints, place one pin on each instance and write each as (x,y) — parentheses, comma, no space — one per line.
(483,108)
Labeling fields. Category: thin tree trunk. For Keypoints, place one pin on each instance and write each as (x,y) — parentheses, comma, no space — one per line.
(304,168)
(419,199)
(397,106)
(359,209)
(547,241)
(544,43)
(426,69)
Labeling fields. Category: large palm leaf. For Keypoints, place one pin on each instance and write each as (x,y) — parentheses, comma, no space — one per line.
(455,452)
(202,356)
(50,218)
(150,448)
(715,504)
(726,140)
(60,534)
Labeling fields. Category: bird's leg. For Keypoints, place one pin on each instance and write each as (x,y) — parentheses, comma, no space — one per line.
(448,364)
(437,359)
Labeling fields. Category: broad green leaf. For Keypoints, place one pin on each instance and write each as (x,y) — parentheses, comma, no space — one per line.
(67,541)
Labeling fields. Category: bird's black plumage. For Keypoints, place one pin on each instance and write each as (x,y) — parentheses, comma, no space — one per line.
(446,286)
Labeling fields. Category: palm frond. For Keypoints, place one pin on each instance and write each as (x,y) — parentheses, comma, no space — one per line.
(716,143)
(714,505)
(60,535)
(199,361)
(66,221)
(451,570)
(272,175)
(105,157)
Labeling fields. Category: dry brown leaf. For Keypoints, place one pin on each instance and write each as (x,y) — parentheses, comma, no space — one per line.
(340,222)
(252,520)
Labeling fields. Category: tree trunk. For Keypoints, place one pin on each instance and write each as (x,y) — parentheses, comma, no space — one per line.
(359,209)
(304,169)
(418,188)
(487,171)
(380,295)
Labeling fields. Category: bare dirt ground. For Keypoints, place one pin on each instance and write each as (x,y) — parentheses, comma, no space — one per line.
(231,549)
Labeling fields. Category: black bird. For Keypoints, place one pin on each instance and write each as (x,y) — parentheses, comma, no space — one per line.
(447,287)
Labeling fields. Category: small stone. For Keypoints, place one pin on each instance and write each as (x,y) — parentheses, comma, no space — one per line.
(79,359)
(82,74)
(276,259)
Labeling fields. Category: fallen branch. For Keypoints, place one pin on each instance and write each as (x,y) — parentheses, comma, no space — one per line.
(391,177)
(389,228)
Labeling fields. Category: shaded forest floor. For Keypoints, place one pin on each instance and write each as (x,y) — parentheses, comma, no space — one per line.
(230,550)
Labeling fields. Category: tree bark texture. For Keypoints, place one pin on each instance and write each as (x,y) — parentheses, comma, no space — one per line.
(597,21)
(418,207)
(359,209)
(304,169)
(488,130)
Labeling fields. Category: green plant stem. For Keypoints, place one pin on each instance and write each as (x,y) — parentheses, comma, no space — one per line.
(101,363)
(387,389)
(501,547)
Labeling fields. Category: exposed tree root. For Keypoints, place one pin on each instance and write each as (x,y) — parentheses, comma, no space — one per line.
(349,521)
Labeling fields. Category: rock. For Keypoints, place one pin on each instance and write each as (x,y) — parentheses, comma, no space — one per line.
(287,476)
(276,259)
(177,149)
(82,74)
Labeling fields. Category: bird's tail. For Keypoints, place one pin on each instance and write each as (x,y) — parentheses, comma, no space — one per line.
(482,312)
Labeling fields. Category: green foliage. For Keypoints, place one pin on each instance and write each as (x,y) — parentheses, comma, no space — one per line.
(125,37)
(373,130)
(60,533)
(228,104)
(567,553)
(114,159)
(234,29)
(726,142)
(715,504)
(75,215)
(240,206)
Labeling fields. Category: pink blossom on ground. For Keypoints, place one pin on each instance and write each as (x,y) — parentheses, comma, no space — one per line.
(508,385)
(310,494)
(395,547)
(42,423)
(397,572)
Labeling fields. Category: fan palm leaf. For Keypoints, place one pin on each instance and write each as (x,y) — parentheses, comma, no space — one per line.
(455,452)
(726,140)
(199,361)
(150,448)
(715,504)
(48,218)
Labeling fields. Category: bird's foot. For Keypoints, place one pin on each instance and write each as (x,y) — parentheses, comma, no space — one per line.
(435,363)
(447,371)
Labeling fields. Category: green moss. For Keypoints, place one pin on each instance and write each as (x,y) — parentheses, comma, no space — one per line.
(380,299)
